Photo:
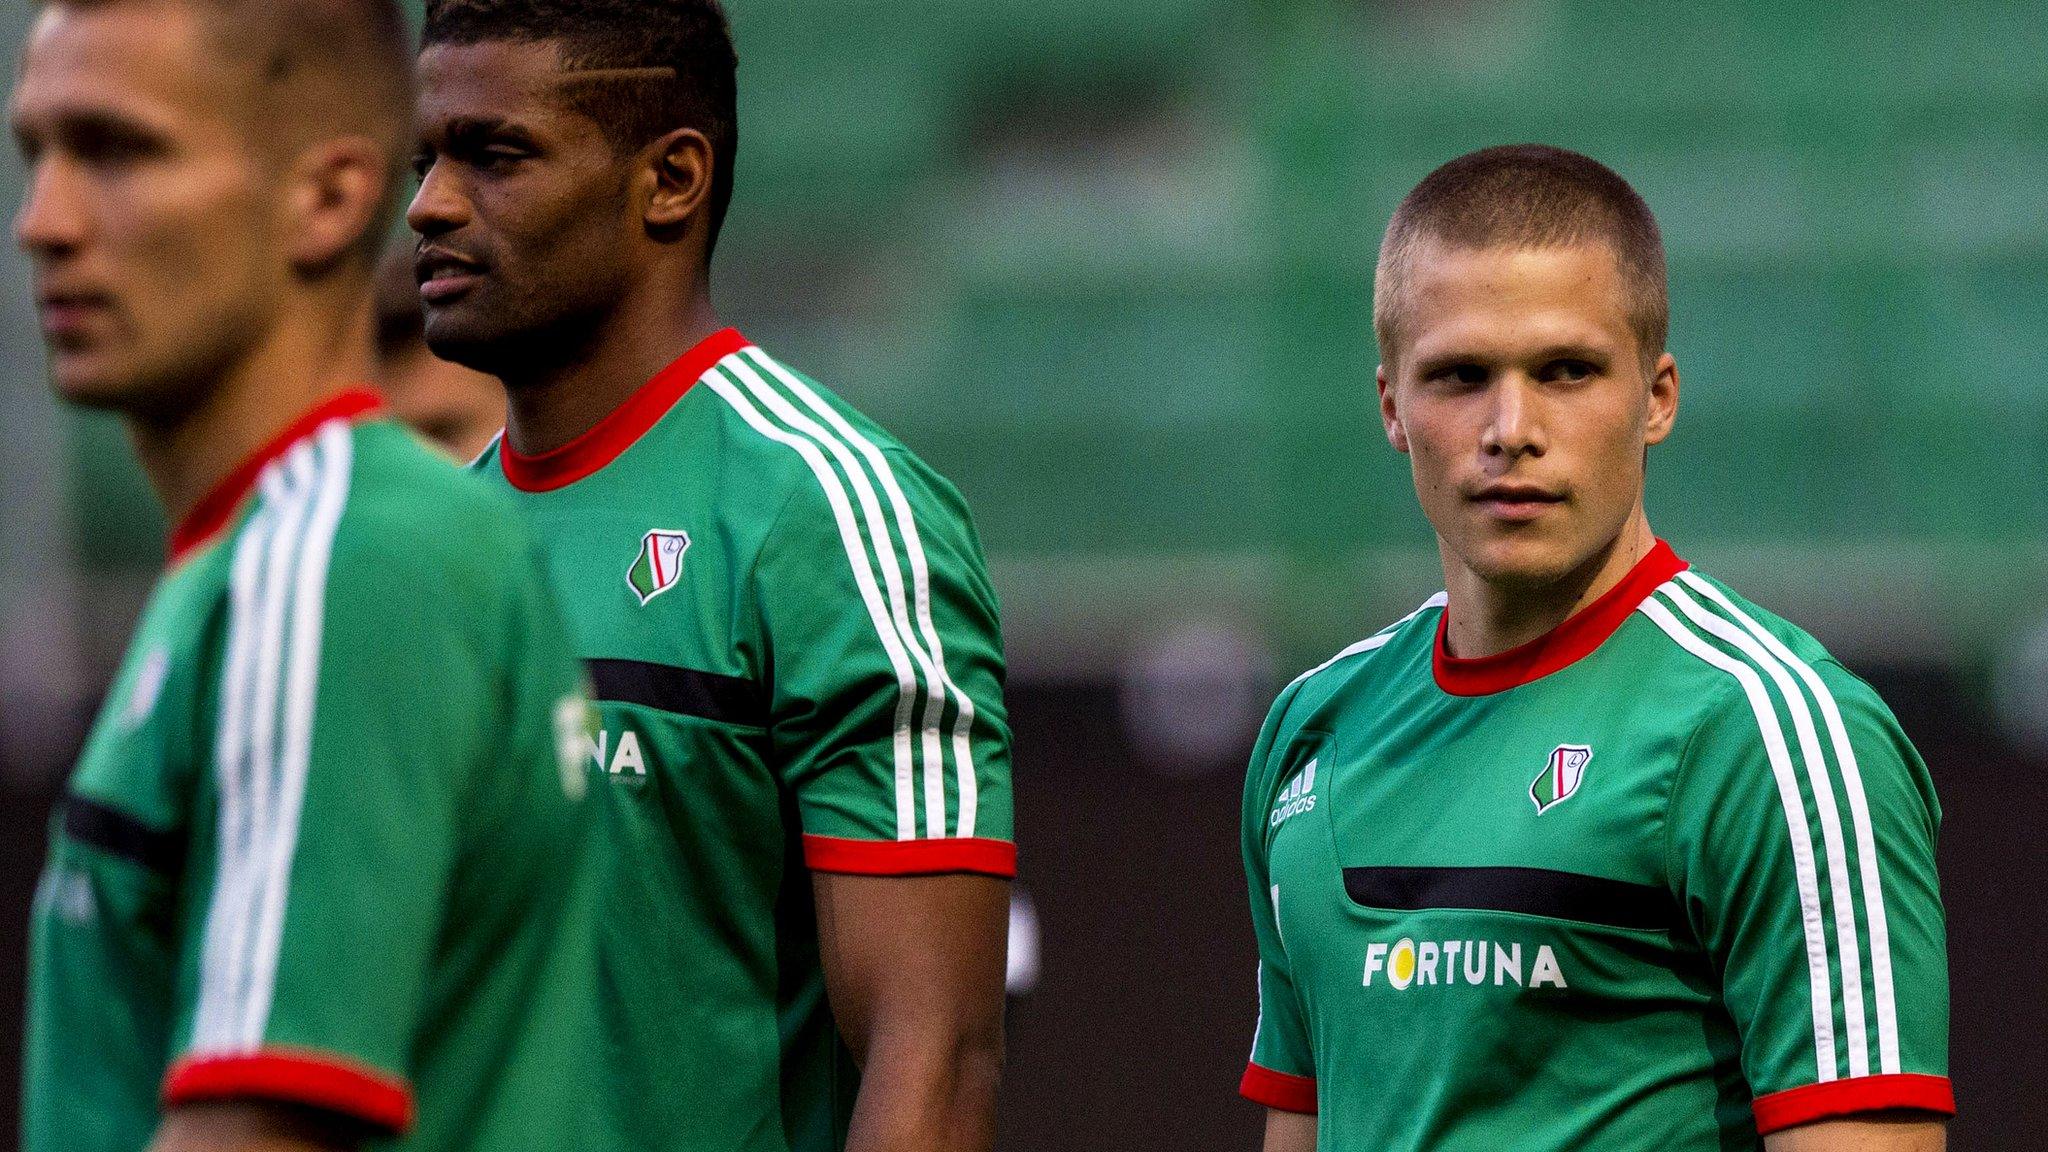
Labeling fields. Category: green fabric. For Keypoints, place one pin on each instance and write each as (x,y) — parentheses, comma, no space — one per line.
(427,882)
(1457,1026)
(797,568)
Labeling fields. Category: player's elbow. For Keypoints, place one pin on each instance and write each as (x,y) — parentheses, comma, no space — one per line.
(940,1083)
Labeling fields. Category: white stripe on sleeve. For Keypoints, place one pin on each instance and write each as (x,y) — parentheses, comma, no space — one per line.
(1859,815)
(920,576)
(863,578)
(301,695)
(1810,918)
(1823,789)
(884,559)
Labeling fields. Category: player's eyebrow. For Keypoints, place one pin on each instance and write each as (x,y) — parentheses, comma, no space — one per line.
(478,128)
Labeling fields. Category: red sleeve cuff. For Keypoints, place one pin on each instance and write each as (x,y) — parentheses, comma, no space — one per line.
(1278,1089)
(1911,1090)
(294,1076)
(910,857)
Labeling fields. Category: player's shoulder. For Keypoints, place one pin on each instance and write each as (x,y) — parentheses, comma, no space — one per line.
(1385,655)
(812,458)
(1731,658)
(413,519)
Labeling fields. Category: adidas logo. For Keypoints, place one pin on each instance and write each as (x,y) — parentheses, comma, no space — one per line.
(1298,797)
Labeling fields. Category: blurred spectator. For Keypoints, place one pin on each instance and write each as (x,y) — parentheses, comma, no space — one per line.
(452,406)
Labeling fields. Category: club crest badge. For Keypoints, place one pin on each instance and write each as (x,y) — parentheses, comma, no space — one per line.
(659,564)
(1560,777)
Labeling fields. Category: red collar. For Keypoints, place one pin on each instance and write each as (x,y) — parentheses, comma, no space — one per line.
(1563,645)
(625,424)
(219,505)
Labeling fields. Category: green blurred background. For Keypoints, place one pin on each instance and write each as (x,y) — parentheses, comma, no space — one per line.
(1107,263)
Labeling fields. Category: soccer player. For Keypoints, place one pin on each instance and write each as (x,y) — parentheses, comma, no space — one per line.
(1589,852)
(321,875)
(785,613)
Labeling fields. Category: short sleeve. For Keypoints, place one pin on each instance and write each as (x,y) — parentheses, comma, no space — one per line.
(886,671)
(1803,829)
(384,700)
(1281,1073)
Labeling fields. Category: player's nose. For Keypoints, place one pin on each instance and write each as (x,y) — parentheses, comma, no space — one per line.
(439,206)
(52,216)
(1513,426)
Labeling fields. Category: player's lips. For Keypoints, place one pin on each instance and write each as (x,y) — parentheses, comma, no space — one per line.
(1516,502)
(444,275)
(64,314)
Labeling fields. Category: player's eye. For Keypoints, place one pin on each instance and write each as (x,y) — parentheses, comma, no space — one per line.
(1571,371)
(499,155)
(1461,375)
(111,145)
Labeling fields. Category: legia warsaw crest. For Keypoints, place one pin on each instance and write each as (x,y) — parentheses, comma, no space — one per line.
(659,564)
(1560,777)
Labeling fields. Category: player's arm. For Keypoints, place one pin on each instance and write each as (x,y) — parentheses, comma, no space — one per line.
(914,969)
(1281,1071)
(253,1126)
(1862,1134)
(1290,1131)
(888,726)
(1803,828)
(352,774)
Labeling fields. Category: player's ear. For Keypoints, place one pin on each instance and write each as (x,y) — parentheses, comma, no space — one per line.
(335,193)
(681,165)
(1389,414)
(1663,399)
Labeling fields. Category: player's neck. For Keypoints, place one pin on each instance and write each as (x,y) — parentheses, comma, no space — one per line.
(306,359)
(1488,618)
(557,402)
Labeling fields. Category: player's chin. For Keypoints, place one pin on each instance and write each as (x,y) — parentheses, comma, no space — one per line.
(96,378)
(466,336)
(1517,555)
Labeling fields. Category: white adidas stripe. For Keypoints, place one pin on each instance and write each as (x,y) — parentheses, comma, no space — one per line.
(1859,814)
(233,830)
(277,589)
(863,577)
(1810,917)
(1818,781)
(301,690)
(920,575)
(883,558)
(288,485)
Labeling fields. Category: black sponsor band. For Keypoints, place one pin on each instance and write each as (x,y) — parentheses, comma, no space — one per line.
(118,834)
(1531,891)
(684,691)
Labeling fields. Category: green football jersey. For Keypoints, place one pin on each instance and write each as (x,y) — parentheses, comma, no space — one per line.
(327,843)
(1662,879)
(794,647)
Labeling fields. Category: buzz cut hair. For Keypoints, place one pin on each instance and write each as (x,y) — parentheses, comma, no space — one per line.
(320,69)
(671,65)
(1527,196)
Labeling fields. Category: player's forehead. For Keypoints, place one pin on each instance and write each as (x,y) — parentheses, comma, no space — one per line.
(147,66)
(521,83)
(1503,298)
